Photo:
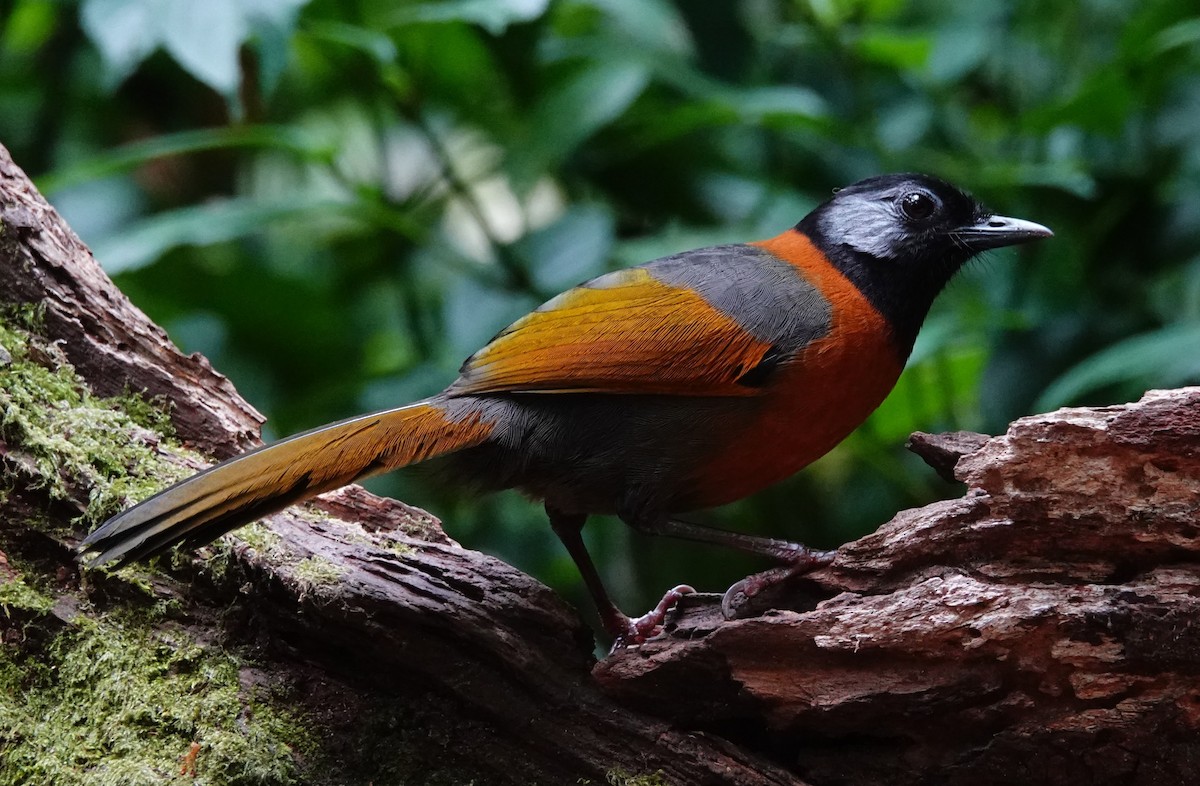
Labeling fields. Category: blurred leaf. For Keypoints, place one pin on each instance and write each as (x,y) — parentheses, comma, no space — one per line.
(475,313)
(939,332)
(729,196)
(571,250)
(1165,357)
(1068,177)
(1175,295)
(205,38)
(272,23)
(456,63)
(575,110)
(939,392)
(585,104)
(761,104)
(493,15)
(957,49)
(1180,34)
(101,207)
(713,104)
(416,383)
(29,25)
(125,32)
(1102,103)
(903,125)
(130,156)
(146,241)
(891,48)
(374,43)
(654,23)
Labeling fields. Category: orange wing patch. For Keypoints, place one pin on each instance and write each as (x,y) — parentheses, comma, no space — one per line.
(625,332)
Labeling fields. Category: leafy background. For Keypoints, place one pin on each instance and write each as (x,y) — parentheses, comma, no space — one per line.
(338,200)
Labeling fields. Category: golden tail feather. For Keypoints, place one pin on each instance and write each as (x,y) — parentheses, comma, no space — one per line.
(203,507)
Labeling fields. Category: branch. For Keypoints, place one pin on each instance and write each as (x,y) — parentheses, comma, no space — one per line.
(1041,629)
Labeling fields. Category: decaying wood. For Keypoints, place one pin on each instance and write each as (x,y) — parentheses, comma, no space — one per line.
(1044,628)
(1041,629)
(109,341)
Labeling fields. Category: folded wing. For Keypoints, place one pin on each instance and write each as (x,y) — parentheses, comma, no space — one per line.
(664,328)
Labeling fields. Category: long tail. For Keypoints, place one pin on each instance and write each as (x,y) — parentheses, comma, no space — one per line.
(247,487)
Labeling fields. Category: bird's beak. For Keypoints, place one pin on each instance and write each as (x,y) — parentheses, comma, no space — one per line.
(1000,231)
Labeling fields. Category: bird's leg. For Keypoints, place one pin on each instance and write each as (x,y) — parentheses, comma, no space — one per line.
(799,559)
(742,598)
(624,630)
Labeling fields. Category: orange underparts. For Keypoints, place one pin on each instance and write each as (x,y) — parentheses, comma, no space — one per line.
(819,397)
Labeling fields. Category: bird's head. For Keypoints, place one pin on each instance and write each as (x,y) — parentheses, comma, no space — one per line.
(900,238)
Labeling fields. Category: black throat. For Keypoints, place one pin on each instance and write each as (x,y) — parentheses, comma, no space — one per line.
(901,293)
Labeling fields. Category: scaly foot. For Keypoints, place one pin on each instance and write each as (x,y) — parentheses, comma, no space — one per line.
(738,599)
(630,631)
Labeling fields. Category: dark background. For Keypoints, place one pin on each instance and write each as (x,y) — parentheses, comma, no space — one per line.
(338,201)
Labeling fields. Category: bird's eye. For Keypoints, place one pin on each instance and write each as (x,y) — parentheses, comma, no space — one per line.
(917,205)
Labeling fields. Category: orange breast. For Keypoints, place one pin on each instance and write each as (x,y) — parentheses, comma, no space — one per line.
(816,400)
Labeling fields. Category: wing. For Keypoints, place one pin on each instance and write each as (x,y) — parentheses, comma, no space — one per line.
(712,322)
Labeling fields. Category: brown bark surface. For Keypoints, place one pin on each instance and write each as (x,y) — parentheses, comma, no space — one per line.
(1044,628)
(1041,629)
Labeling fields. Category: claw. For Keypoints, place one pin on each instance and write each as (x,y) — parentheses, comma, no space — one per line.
(803,560)
(636,630)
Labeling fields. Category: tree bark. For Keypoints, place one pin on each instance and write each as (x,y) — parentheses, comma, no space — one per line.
(1040,629)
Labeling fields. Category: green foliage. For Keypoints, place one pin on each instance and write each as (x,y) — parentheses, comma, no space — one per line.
(338,202)
(204,38)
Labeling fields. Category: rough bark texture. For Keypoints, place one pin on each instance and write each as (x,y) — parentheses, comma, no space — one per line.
(1041,629)
(1045,628)
(109,341)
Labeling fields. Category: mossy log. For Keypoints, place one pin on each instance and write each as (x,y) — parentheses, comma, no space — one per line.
(1040,629)
(347,641)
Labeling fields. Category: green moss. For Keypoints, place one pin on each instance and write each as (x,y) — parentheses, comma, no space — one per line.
(30,317)
(397,546)
(353,533)
(315,573)
(15,593)
(78,444)
(152,413)
(113,699)
(259,538)
(110,702)
(621,778)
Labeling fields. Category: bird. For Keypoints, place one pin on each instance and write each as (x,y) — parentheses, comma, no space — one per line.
(681,384)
